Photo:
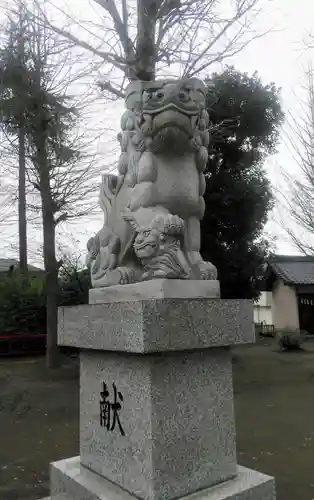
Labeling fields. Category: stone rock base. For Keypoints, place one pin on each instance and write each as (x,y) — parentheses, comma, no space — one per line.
(155,289)
(71,481)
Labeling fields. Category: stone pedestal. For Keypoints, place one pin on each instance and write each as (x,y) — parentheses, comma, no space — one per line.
(71,481)
(156,396)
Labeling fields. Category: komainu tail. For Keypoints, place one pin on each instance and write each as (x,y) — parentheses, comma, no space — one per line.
(108,189)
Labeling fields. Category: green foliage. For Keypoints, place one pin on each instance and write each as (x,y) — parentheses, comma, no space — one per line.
(22,304)
(247,117)
(15,66)
(74,285)
(290,340)
(23,299)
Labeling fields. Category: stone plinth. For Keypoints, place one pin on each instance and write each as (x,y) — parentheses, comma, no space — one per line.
(177,416)
(156,396)
(156,289)
(157,325)
(71,481)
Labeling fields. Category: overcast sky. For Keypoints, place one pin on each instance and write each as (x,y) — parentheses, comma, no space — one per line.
(278,57)
(281,57)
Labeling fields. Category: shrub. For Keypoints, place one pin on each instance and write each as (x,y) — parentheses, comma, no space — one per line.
(290,339)
(23,299)
(22,304)
(74,286)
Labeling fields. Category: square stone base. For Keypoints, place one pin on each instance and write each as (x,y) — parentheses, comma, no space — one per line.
(71,481)
(155,289)
(177,430)
(157,325)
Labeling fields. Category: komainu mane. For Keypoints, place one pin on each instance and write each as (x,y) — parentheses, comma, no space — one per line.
(154,205)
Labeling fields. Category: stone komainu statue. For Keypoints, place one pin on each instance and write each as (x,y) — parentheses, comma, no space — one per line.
(154,205)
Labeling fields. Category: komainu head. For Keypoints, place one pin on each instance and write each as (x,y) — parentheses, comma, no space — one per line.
(171,111)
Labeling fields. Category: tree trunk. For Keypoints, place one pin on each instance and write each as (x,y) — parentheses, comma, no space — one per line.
(53,358)
(22,203)
(145,46)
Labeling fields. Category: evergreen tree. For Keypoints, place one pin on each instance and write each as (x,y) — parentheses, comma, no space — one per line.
(247,117)
(13,95)
(58,173)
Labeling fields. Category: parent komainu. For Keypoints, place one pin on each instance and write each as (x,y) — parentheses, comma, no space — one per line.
(164,144)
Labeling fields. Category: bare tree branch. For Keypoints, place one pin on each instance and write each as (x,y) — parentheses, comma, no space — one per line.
(125,15)
(61,170)
(140,39)
(106,56)
(120,28)
(300,197)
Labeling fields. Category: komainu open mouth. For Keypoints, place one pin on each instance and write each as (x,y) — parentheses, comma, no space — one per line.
(143,246)
(172,119)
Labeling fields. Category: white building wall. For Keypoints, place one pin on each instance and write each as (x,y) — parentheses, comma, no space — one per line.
(285,310)
(263,309)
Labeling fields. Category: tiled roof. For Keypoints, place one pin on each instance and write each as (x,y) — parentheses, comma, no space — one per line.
(293,270)
(5,265)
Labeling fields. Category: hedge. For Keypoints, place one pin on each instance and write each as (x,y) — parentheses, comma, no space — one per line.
(22,304)
(23,301)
